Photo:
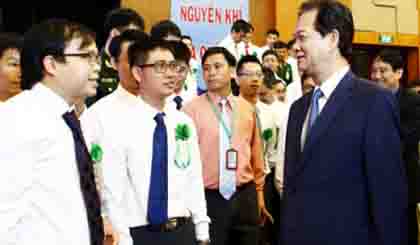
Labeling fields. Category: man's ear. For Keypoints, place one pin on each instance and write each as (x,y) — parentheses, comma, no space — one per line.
(399,73)
(114,32)
(335,38)
(137,73)
(234,75)
(49,64)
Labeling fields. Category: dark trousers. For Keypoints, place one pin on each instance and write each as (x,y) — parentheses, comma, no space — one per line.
(234,221)
(413,229)
(184,235)
(269,232)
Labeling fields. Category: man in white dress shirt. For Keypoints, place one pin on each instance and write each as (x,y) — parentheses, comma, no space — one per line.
(47,189)
(271,36)
(234,40)
(137,162)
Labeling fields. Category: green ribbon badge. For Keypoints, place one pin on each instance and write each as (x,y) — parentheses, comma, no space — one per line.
(182,132)
(96,153)
(267,134)
(183,147)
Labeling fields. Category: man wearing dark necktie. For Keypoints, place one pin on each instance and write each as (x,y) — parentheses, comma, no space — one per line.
(49,185)
(151,162)
(344,181)
(183,91)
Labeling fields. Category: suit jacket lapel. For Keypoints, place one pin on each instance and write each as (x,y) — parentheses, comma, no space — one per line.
(294,132)
(333,106)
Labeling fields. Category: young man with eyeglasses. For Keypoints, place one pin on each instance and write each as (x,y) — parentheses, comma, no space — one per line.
(151,162)
(230,146)
(48,193)
(250,77)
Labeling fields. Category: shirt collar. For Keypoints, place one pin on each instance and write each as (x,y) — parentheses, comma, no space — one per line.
(215,98)
(123,93)
(331,83)
(149,111)
(54,103)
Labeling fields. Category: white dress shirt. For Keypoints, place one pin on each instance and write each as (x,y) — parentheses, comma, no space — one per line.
(268,118)
(186,94)
(123,126)
(294,89)
(327,89)
(40,197)
(262,51)
(282,115)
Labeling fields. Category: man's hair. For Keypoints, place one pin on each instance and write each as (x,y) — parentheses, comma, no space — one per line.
(121,18)
(269,78)
(332,15)
(245,60)
(230,59)
(9,40)
(270,52)
(273,32)
(127,36)
(241,26)
(291,43)
(50,37)
(186,37)
(392,57)
(138,52)
(180,51)
(279,45)
(164,28)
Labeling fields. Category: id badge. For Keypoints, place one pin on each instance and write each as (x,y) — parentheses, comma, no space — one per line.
(231,159)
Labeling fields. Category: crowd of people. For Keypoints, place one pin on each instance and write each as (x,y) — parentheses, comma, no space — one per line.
(145,142)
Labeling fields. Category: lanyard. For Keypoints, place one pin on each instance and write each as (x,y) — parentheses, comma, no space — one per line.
(228,132)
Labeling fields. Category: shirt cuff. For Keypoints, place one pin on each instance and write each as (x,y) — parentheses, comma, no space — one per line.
(202,231)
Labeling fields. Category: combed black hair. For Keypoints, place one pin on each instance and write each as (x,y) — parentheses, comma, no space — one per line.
(230,59)
(332,15)
(122,17)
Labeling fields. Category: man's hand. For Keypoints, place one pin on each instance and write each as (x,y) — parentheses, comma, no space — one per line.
(262,211)
(111,236)
(206,242)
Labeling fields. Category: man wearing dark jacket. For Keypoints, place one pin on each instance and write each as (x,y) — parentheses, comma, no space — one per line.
(387,70)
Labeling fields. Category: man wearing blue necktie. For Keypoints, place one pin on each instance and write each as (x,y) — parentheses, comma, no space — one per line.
(151,163)
(344,179)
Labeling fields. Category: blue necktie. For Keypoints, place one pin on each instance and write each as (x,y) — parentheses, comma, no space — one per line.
(227,177)
(314,107)
(178,100)
(157,211)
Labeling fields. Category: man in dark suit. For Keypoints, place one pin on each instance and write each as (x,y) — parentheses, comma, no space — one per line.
(344,178)
(387,70)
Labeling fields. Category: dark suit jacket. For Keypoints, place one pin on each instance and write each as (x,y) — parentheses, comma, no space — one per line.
(410,135)
(348,186)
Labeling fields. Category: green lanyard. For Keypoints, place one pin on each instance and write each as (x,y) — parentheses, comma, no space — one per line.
(228,132)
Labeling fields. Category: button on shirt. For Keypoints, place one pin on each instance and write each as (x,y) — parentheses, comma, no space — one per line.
(124,128)
(40,197)
(246,140)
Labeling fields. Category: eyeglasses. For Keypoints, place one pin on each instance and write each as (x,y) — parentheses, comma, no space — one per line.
(93,58)
(249,75)
(162,66)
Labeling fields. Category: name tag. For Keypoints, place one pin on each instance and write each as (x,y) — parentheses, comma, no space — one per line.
(231,159)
